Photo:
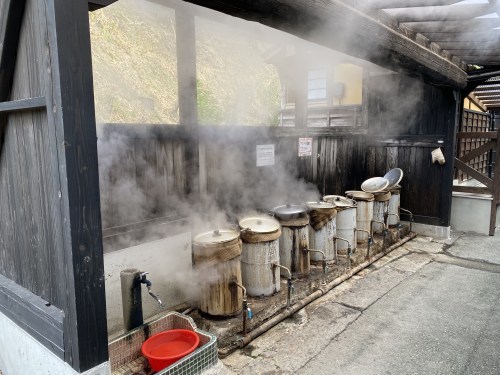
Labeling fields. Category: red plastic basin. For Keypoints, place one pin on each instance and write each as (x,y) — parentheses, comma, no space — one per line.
(167,347)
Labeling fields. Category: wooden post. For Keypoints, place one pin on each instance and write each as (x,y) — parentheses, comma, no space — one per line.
(187,94)
(70,98)
(455,108)
(301,98)
(495,194)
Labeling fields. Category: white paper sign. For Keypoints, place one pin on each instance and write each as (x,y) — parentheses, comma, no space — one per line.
(265,155)
(305,146)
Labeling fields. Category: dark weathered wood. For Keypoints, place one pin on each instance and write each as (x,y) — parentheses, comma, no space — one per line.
(495,192)
(98,4)
(187,93)
(472,135)
(471,189)
(70,94)
(473,173)
(407,141)
(317,21)
(11,16)
(441,13)
(23,105)
(387,4)
(33,314)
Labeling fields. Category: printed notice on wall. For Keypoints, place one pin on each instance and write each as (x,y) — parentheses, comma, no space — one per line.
(265,155)
(305,146)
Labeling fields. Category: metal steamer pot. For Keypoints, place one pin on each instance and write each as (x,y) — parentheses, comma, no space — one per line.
(289,211)
(323,238)
(217,257)
(260,254)
(346,222)
(364,213)
(294,239)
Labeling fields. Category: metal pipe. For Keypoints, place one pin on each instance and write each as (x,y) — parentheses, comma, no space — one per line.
(370,239)
(349,249)
(388,214)
(245,306)
(379,222)
(245,340)
(324,258)
(411,215)
(288,283)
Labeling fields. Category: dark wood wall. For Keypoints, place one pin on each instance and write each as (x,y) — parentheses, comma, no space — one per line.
(407,119)
(50,228)
(31,249)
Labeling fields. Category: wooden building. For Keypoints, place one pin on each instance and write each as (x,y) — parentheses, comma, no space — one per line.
(52,280)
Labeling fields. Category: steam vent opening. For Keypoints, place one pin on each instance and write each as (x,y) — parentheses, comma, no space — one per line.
(216,166)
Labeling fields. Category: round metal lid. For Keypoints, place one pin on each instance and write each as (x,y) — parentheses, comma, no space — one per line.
(320,205)
(360,195)
(375,184)
(393,176)
(338,200)
(260,224)
(289,209)
(216,236)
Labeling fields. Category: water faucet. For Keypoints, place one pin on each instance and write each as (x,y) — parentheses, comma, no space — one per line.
(288,283)
(323,262)
(144,280)
(247,312)
(349,249)
(411,215)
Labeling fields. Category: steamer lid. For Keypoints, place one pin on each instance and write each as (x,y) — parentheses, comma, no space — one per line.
(216,236)
(394,176)
(375,184)
(339,201)
(320,205)
(260,224)
(360,195)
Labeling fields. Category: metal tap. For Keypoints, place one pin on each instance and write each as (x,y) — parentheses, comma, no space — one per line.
(288,283)
(144,280)
(384,234)
(247,312)
(349,249)
(411,215)
(323,262)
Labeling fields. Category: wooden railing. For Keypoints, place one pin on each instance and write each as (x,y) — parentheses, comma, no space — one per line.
(476,145)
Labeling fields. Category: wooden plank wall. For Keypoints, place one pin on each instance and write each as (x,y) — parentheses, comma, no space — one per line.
(30,233)
(404,134)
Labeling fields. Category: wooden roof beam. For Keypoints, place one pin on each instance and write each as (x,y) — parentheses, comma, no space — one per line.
(464,37)
(98,4)
(477,24)
(338,26)
(390,4)
(492,44)
(441,13)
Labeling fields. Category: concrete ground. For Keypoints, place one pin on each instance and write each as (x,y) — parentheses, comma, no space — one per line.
(428,307)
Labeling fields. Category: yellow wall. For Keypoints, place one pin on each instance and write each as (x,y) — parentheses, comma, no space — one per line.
(468,104)
(352,78)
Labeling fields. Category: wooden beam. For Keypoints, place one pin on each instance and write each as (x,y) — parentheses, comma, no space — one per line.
(23,105)
(492,44)
(495,192)
(30,312)
(471,189)
(473,173)
(187,94)
(475,135)
(440,13)
(462,36)
(69,91)
(480,25)
(478,151)
(389,4)
(98,4)
(318,21)
(11,17)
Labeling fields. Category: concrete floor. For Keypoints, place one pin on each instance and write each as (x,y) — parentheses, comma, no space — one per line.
(428,307)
